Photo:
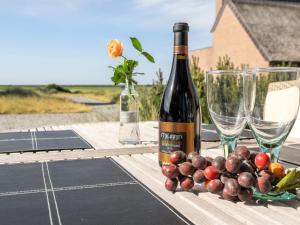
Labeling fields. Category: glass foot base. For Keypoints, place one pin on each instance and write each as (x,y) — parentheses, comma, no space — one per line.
(229,144)
(273,152)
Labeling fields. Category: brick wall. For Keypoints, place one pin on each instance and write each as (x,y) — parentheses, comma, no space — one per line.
(204,56)
(230,38)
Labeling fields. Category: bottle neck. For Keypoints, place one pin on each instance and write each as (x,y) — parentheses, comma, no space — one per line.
(180,67)
(181,38)
(180,49)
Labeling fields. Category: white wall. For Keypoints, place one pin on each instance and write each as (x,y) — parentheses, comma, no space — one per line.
(295,132)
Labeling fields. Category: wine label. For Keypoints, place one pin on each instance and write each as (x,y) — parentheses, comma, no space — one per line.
(175,137)
(180,49)
(128,117)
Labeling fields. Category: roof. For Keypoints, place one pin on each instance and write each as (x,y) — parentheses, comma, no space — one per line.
(273,26)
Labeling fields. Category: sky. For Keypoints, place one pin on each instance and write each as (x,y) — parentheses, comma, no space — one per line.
(64,41)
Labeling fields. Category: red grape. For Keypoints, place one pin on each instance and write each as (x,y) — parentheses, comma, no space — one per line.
(232,186)
(219,163)
(246,180)
(267,174)
(215,186)
(191,155)
(199,162)
(199,176)
(263,185)
(245,194)
(171,184)
(243,152)
(186,169)
(226,195)
(177,157)
(186,183)
(170,171)
(232,164)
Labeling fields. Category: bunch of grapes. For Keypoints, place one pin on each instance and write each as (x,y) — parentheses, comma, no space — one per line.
(233,178)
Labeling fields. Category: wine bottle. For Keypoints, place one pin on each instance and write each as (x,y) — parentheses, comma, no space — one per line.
(180,114)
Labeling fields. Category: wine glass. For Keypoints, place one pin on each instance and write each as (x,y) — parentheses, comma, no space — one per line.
(226,105)
(272,97)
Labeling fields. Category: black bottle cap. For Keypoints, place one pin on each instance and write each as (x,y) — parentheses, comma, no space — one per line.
(181,27)
(181,33)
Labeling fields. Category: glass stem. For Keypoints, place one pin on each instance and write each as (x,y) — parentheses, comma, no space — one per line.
(273,152)
(229,144)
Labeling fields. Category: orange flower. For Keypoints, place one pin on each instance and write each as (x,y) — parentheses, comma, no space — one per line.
(115,48)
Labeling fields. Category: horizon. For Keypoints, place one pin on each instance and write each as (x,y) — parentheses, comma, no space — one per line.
(64,41)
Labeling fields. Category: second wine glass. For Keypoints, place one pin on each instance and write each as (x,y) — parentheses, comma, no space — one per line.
(226,105)
(272,97)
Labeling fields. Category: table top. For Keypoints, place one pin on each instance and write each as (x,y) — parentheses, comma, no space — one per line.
(141,162)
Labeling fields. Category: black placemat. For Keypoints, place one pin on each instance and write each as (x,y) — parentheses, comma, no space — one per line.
(91,192)
(27,209)
(41,141)
(291,154)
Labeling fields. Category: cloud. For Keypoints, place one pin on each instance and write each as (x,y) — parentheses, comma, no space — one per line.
(199,13)
(47,7)
(148,13)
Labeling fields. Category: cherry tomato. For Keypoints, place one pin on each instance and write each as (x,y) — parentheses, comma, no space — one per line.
(262,161)
(211,173)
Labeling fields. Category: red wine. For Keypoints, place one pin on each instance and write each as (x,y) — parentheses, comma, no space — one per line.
(180,115)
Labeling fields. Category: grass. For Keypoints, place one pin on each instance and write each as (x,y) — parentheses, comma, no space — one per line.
(38,104)
(20,99)
(109,94)
(102,93)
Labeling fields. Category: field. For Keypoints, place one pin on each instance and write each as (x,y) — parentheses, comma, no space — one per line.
(104,94)
(52,99)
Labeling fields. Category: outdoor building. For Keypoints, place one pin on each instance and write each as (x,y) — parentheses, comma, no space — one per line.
(256,33)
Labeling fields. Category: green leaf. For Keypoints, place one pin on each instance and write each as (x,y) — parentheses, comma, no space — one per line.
(289,182)
(119,75)
(121,79)
(115,79)
(120,69)
(283,196)
(125,66)
(131,64)
(136,44)
(148,56)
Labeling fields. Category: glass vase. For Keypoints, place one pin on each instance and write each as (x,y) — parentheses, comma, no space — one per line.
(129,132)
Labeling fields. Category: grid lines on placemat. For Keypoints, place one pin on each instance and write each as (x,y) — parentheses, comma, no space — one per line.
(67,188)
(55,198)
(41,141)
(151,193)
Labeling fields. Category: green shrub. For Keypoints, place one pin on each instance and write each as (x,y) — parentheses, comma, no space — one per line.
(54,88)
(17,91)
(150,98)
(224,63)
(198,77)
